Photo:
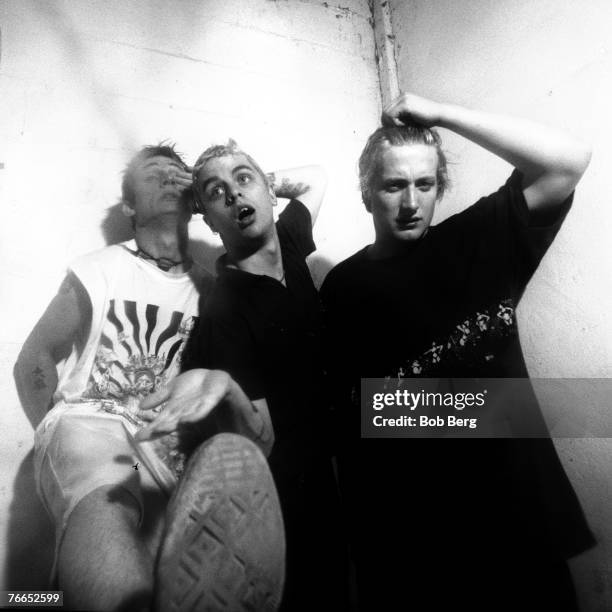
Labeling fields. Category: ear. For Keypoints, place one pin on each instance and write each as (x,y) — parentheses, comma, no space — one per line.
(272,195)
(126,209)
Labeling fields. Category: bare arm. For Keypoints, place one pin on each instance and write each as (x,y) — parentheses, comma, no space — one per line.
(307,183)
(551,161)
(49,342)
(196,394)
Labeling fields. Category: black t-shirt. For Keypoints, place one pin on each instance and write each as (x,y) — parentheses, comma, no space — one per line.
(267,336)
(447,305)
(446,308)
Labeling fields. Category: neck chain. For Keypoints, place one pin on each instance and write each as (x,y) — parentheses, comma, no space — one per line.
(163,263)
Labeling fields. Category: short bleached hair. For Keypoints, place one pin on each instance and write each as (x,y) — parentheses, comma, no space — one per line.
(397,136)
(213,152)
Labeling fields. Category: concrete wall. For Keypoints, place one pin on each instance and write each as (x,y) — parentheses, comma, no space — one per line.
(86,82)
(550,61)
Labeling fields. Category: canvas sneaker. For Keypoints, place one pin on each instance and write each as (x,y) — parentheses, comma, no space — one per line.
(224,542)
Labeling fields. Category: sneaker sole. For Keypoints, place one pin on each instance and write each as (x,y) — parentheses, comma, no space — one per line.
(224,545)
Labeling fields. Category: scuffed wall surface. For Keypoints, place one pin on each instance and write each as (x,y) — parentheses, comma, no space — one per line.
(550,61)
(85,83)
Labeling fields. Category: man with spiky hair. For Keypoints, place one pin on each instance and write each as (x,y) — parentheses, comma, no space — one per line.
(452,524)
(262,325)
(121,318)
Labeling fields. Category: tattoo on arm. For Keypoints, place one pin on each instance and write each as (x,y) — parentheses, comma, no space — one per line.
(39,382)
(287,188)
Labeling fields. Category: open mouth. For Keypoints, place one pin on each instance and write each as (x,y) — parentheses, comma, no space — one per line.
(245,213)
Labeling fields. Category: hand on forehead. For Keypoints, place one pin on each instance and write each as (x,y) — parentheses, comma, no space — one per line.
(161,164)
(167,169)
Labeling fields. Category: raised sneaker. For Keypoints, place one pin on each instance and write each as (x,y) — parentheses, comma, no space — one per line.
(224,542)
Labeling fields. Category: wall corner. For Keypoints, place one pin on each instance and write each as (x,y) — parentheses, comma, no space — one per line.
(385,50)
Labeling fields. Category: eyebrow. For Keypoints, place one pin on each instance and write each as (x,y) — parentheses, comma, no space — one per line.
(242,167)
(208,181)
(396,177)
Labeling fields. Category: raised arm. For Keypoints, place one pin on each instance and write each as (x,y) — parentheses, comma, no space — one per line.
(551,161)
(50,341)
(307,183)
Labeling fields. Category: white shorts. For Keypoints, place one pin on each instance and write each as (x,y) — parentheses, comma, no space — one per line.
(79,448)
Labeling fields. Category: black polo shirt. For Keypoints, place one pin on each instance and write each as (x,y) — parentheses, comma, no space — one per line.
(267,336)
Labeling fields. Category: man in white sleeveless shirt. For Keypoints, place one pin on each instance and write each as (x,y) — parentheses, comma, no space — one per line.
(121,319)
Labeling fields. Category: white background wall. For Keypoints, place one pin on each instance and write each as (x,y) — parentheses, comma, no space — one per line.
(551,61)
(84,83)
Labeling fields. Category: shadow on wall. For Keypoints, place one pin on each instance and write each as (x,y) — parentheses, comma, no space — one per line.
(30,542)
(116,227)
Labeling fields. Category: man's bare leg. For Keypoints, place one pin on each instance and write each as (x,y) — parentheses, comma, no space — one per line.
(106,560)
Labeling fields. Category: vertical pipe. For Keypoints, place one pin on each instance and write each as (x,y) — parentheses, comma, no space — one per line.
(385,50)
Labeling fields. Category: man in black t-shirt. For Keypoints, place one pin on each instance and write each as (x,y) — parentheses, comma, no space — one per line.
(261,324)
(481,523)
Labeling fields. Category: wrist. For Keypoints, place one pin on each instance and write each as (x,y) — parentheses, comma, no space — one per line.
(236,399)
(447,116)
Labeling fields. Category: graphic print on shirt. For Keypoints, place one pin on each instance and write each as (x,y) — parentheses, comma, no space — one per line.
(139,350)
(472,343)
